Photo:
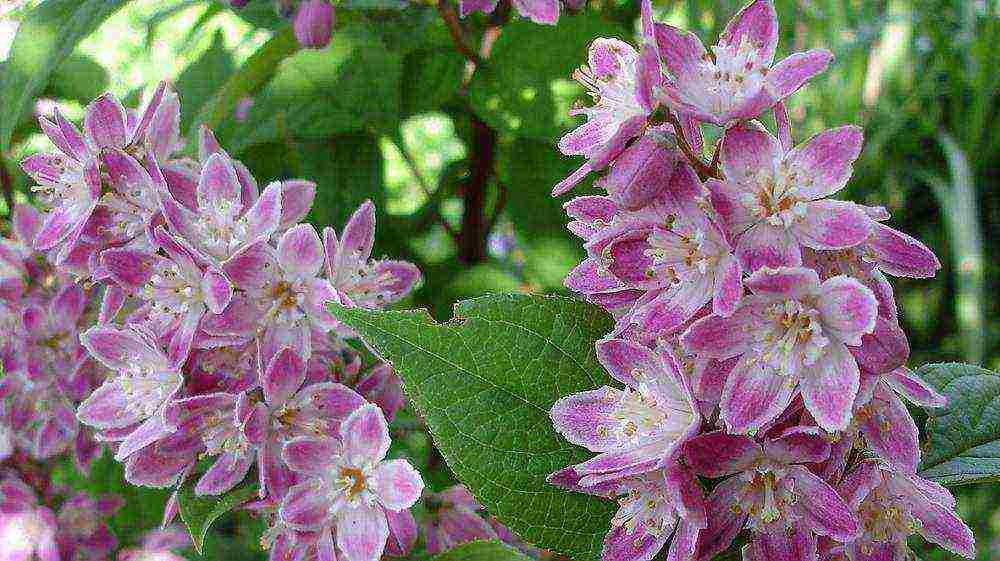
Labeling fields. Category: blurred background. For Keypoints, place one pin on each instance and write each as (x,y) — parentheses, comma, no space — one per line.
(460,160)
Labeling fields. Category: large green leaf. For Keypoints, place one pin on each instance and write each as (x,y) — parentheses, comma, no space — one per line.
(198,82)
(964,437)
(44,40)
(199,513)
(79,78)
(350,86)
(482,551)
(526,87)
(249,78)
(485,382)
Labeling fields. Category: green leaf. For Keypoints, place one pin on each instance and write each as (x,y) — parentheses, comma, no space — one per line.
(482,551)
(485,383)
(253,75)
(963,438)
(78,78)
(199,513)
(44,40)
(351,85)
(431,78)
(198,81)
(526,88)
(348,170)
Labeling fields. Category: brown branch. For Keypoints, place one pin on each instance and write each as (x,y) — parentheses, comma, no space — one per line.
(450,18)
(705,170)
(7,182)
(472,236)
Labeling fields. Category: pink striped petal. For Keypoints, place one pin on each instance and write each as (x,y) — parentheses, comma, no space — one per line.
(300,251)
(361,532)
(104,122)
(310,456)
(826,160)
(397,484)
(748,148)
(217,290)
(829,225)
(228,470)
(580,416)
(901,255)
(829,387)
(848,309)
(365,433)
(753,396)
(305,506)
(297,197)
(718,454)
(757,26)
(283,377)
(914,389)
(130,268)
(219,189)
(822,509)
(786,77)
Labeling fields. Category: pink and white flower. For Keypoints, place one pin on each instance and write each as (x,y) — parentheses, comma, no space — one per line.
(791,336)
(348,482)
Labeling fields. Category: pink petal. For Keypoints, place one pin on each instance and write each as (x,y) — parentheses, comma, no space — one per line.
(251,266)
(402,533)
(914,389)
(467,7)
(119,349)
(829,387)
(26,220)
(728,287)
(151,430)
(228,470)
(362,532)
(826,160)
(179,346)
(847,309)
(724,522)
(108,407)
(365,433)
(163,131)
(219,189)
(305,506)
(795,544)
(626,361)
(747,149)
(284,375)
(670,309)
(890,431)
(757,26)
(586,138)
(239,318)
(397,484)
(319,295)
(62,223)
(753,396)
(300,251)
(217,290)
(359,233)
(901,255)
(624,543)
(718,454)
(786,77)
(310,456)
(718,337)
(297,197)
(104,122)
(765,245)
(798,445)
(785,282)
(884,349)
(580,416)
(130,268)
(265,214)
(821,508)
(680,51)
(640,173)
(538,11)
(832,224)
(403,276)
(67,306)
(590,277)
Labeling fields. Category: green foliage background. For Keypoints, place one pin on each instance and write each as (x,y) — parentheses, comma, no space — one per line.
(386,113)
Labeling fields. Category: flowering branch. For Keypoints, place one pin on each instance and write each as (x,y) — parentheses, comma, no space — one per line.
(450,18)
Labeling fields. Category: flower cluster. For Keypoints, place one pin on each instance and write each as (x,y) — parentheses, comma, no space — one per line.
(757,338)
(179,312)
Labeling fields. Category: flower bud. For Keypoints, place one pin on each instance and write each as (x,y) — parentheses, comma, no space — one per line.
(314,23)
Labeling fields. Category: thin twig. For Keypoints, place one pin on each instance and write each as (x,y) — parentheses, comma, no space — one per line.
(450,18)
(704,170)
(424,185)
(498,207)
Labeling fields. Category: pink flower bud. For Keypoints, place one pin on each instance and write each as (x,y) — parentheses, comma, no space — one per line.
(314,23)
